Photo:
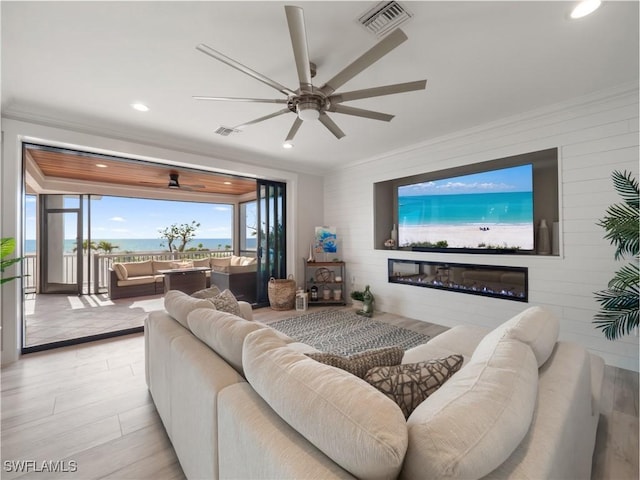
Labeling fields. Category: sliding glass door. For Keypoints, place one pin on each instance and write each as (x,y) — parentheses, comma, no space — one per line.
(271,233)
(61,242)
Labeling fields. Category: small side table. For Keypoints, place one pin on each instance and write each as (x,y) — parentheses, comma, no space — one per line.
(187,280)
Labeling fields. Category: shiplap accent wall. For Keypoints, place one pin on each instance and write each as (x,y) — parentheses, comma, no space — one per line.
(594,136)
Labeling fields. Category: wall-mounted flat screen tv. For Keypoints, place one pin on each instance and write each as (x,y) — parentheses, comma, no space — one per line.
(490,211)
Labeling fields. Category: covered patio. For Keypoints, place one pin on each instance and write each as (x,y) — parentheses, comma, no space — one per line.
(51,318)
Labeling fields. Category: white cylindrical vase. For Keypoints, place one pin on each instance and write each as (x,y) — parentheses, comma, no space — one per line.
(544,242)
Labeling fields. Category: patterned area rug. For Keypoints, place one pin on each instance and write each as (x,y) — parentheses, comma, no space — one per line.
(344,332)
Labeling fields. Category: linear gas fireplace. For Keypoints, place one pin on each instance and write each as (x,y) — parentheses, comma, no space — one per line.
(509,283)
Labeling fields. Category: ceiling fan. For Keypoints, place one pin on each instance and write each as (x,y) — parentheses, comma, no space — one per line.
(175,184)
(309,102)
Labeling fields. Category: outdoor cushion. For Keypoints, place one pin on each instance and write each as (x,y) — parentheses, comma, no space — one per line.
(535,326)
(179,305)
(474,422)
(137,269)
(202,262)
(303,391)
(223,332)
(142,280)
(220,264)
(242,268)
(162,265)
(121,271)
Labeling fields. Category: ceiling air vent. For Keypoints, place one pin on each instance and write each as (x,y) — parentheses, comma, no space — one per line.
(384,17)
(226,131)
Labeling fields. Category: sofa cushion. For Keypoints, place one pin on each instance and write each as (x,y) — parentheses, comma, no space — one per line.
(348,420)
(202,262)
(121,271)
(179,305)
(360,363)
(535,326)
(223,332)
(210,292)
(242,268)
(138,269)
(225,301)
(163,265)
(410,384)
(474,422)
(221,264)
(141,280)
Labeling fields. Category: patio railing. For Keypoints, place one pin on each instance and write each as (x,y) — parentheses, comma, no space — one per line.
(101,263)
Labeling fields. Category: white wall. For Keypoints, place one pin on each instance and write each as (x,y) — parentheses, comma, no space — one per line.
(304,197)
(594,136)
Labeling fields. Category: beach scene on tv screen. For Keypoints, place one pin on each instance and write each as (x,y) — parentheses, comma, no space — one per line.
(487,210)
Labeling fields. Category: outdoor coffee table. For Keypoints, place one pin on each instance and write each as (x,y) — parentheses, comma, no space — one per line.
(187,280)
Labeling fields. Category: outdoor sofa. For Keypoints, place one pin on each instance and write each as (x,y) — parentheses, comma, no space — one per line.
(135,279)
(241,400)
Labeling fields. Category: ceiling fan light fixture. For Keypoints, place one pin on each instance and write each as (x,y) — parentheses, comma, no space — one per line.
(584,8)
(173,181)
(308,111)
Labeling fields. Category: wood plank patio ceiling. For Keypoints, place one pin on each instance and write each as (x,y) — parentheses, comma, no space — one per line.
(80,166)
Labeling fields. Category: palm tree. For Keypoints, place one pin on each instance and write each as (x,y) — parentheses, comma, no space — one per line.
(618,314)
(85,246)
(106,247)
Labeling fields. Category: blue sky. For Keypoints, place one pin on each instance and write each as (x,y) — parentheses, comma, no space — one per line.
(513,179)
(119,217)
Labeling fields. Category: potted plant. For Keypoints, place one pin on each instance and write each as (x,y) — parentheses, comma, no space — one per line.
(618,314)
(7,246)
(357,299)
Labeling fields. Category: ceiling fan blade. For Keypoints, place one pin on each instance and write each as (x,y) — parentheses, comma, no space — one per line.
(266,117)
(359,112)
(238,66)
(298,33)
(294,129)
(367,59)
(238,99)
(330,124)
(378,91)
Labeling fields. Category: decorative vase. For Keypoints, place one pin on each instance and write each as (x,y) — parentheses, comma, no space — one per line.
(367,304)
(311,259)
(544,245)
(394,235)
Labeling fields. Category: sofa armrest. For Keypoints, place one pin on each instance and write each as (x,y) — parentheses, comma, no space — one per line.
(246,311)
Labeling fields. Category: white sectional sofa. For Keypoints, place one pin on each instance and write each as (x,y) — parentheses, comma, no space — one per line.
(240,400)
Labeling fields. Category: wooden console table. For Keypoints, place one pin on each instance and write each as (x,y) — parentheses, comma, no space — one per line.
(187,280)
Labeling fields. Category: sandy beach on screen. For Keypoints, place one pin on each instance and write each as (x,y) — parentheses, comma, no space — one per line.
(471,235)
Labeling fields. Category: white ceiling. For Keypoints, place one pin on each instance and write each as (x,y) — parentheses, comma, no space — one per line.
(86,62)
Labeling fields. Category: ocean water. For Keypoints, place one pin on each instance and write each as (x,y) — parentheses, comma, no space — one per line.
(472,208)
(147,244)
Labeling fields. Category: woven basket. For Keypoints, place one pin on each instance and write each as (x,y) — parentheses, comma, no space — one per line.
(282,293)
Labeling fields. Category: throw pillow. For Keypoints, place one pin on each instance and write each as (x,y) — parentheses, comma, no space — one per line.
(210,292)
(410,384)
(360,363)
(226,302)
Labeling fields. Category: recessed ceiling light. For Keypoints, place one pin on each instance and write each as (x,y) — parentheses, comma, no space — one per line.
(287,145)
(101,165)
(227,183)
(585,7)
(141,107)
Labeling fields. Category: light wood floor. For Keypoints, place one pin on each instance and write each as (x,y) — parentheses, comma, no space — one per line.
(89,404)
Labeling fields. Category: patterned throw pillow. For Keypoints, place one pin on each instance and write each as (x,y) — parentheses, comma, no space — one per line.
(226,302)
(210,292)
(360,363)
(410,384)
